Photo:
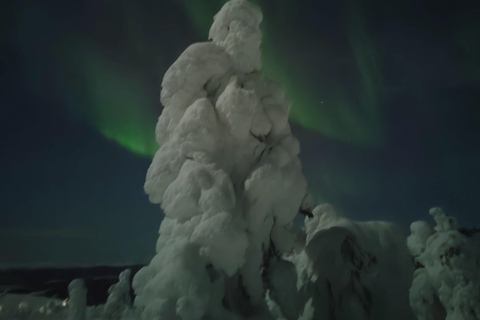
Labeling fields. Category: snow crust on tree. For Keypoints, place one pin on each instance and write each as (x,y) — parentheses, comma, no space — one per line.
(227,176)
(352,270)
(446,284)
(77,302)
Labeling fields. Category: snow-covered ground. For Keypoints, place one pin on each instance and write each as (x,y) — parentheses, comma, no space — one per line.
(21,306)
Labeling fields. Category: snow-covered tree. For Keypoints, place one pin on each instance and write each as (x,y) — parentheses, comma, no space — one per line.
(351,270)
(227,176)
(118,300)
(77,301)
(446,283)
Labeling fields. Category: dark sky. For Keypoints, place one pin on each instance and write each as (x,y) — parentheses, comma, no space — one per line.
(386,99)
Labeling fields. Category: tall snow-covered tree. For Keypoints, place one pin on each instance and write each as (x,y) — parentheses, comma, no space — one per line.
(227,176)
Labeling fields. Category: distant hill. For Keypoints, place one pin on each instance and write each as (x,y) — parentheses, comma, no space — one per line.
(53,282)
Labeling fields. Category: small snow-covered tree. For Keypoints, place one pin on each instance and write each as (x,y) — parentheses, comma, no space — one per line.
(77,301)
(352,270)
(446,284)
(227,176)
(118,300)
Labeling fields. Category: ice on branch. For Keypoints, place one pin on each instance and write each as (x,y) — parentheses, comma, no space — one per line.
(227,176)
(446,283)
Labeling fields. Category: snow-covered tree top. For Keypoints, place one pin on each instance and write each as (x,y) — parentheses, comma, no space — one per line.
(236,28)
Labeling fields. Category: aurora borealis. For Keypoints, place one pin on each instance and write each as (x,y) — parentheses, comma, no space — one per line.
(344,102)
(384,104)
(112,96)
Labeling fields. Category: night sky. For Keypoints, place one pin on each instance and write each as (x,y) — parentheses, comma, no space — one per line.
(385,102)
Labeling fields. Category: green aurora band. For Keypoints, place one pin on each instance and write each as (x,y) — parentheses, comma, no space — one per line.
(94,87)
(120,105)
(117,101)
(114,93)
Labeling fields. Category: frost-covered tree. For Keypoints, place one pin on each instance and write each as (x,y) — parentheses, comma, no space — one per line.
(446,283)
(118,300)
(77,301)
(352,270)
(227,176)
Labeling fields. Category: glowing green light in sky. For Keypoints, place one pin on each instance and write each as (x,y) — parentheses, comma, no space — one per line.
(117,104)
(119,107)
(113,96)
